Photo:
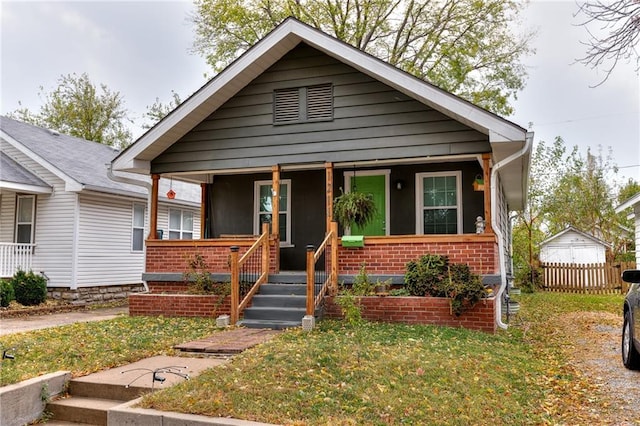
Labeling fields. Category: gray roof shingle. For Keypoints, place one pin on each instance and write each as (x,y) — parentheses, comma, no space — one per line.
(83,161)
(10,171)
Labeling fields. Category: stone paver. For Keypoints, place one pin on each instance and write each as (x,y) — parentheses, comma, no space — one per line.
(229,342)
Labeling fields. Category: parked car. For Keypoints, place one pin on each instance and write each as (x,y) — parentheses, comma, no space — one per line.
(631,324)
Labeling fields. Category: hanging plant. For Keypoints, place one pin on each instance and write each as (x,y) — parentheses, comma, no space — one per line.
(354,208)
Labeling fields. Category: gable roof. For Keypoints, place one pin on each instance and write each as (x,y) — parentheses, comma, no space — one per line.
(81,164)
(569,229)
(506,138)
(631,202)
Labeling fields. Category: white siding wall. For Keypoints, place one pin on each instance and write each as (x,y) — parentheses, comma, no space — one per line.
(105,256)
(163,219)
(572,247)
(7,216)
(637,214)
(54,223)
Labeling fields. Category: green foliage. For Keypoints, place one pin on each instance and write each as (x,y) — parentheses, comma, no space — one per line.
(466,47)
(399,292)
(463,287)
(424,275)
(7,295)
(362,285)
(432,275)
(30,289)
(78,108)
(354,208)
(199,280)
(350,305)
(529,279)
(158,110)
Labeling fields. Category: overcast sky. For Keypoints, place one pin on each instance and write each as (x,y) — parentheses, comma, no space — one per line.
(141,49)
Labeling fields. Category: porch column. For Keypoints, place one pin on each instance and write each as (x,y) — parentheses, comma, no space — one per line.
(328,167)
(153,214)
(203,209)
(275,212)
(486,165)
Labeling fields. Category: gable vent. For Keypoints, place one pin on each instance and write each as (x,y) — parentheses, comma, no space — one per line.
(320,102)
(286,106)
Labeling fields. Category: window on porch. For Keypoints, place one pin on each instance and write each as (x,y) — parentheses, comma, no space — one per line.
(263,208)
(25,218)
(180,224)
(439,203)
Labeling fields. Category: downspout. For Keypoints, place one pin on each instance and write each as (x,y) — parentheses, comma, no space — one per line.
(496,229)
(137,182)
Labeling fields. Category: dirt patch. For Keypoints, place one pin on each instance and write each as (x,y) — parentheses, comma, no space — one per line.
(595,340)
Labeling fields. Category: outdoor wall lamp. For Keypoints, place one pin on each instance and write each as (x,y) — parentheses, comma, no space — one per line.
(399,184)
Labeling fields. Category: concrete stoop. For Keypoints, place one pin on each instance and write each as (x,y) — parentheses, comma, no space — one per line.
(92,397)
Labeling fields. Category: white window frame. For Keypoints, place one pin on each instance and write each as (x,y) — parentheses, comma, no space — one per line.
(181,231)
(420,198)
(283,209)
(32,221)
(134,227)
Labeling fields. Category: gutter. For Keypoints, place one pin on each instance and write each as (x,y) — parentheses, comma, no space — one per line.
(528,140)
(137,182)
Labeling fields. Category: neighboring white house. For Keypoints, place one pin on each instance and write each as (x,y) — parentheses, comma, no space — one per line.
(62,215)
(573,246)
(634,204)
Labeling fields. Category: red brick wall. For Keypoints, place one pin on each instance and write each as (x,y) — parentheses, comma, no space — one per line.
(166,257)
(421,310)
(392,257)
(174,305)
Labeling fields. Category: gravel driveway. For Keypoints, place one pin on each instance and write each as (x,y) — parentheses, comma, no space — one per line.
(596,353)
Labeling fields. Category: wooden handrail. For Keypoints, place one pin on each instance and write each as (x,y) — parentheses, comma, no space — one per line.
(238,306)
(313,300)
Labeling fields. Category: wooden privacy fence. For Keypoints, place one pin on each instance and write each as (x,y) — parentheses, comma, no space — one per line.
(592,278)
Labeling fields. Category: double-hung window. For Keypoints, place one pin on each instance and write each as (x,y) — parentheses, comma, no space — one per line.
(25,218)
(180,224)
(137,228)
(439,203)
(263,208)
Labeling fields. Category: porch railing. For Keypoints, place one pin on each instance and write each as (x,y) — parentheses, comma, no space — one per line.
(14,256)
(319,282)
(248,272)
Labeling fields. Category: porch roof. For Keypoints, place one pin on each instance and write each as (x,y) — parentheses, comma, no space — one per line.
(505,137)
(14,177)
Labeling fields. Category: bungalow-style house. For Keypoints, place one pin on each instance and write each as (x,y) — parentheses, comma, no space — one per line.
(634,204)
(302,116)
(573,247)
(62,216)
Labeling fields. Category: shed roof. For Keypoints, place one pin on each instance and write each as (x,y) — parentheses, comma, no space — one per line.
(569,229)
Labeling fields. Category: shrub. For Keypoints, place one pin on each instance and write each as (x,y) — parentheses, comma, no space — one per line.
(399,292)
(30,289)
(350,307)
(6,293)
(362,285)
(423,276)
(529,279)
(463,287)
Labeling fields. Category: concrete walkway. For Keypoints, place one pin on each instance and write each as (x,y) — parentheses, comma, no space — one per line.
(37,322)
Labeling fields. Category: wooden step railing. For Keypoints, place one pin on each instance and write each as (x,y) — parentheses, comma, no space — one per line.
(248,273)
(319,282)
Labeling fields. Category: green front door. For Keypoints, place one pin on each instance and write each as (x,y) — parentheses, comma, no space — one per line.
(376,186)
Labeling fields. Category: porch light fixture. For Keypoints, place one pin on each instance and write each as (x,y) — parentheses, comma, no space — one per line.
(399,184)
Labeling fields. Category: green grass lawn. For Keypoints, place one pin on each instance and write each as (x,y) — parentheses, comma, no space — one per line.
(368,374)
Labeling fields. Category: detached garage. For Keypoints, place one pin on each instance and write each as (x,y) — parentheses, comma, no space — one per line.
(573,246)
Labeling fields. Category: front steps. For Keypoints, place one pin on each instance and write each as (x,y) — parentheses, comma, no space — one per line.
(279,304)
(91,397)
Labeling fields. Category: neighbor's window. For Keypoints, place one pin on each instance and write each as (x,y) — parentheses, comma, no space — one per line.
(180,224)
(137,228)
(439,197)
(25,218)
(263,208)
(300,104)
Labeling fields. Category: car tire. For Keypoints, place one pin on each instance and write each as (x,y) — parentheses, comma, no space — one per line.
(630,356)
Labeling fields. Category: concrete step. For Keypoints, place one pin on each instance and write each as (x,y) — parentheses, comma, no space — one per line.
(283,289)
(81,409)
(270,324)
(278,314)
(63,423)
(103,390)
(279,301)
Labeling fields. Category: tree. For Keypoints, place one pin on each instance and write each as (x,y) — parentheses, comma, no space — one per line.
(77,108)
(463,46)
(620,23)
(158,110)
